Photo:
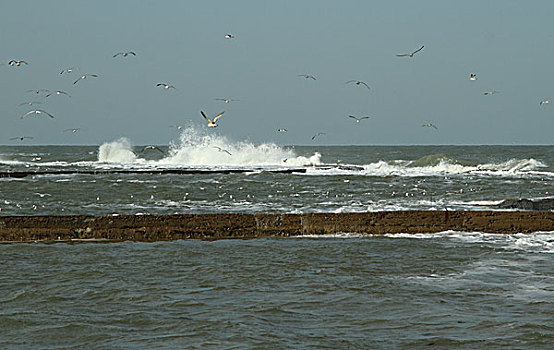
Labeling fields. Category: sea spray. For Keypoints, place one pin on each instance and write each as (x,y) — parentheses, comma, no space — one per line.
(119,151)
(199,147)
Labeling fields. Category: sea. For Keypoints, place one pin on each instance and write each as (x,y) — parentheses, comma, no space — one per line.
(463,290)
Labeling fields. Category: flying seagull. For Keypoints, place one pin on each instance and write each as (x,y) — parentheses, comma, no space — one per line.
(125,54)
(429,125)
(225,100)
(58,92)
(145,148)
(30,103)
(84,76)
(67,70)
(307,76)
(166,86)
(357,118)
(37,112)
(473,77)
(544,102)
(21,138)
(487,93)
(318,134)
(16,63)
(212,123)
(410,54)
(223,150)
(358,82)
(72,130)
(282,130)
(229,36)
(39,91)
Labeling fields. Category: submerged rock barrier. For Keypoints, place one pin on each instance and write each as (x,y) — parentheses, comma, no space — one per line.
(238,225)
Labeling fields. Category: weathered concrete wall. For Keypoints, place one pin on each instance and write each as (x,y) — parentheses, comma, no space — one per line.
(218,226)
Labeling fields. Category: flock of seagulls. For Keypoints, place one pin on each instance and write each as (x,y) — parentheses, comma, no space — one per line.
(212,122)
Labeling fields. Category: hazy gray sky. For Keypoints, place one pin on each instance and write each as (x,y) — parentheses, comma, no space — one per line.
(508,44)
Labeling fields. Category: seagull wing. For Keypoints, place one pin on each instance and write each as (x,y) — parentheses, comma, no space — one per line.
(208,119)
(218,116)
(132,53)
(119,53)
(416,51)
(26,114)
(367,86)
(402,55)
(350,81)
(43,111)
(351,116)
(76,81)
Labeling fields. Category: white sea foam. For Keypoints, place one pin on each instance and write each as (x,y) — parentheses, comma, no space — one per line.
(202,148)
(119,151)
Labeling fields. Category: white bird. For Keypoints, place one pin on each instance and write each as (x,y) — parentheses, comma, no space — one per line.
(488,93)
(358,82)
(226,100)
(544,102)
(125,54)
(307,76)
(212,123)
(72,130)
(223,150)
(282,130)
(67,70)
(410,54)
(166,86)
(16,63)
(473,77)
(229,36)
(84,76)
(30,103)
(58,92)
(38,91)
(37,112)
(178,127)
(318,134)
(358,118)
(152,147)
(430,125)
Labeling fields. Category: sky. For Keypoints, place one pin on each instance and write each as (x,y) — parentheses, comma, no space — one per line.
(509,45)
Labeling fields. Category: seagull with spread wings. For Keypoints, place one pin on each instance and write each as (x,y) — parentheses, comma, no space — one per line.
(490,93)
(410,54)
(226,100)
(166,86)
(358,118)
(152,147)
(318,134)
(307,76)
(73,131)
(430,125)
(21,138)
(359,83)
(58,92)
(84,76)
(212,123)
(124,54)
(223,150)
(37,112)
(16,63)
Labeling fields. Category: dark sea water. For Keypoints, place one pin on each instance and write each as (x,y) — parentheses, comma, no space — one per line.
(469,290)
(451,290)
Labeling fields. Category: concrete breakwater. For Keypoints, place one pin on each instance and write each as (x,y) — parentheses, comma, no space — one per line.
(238,225)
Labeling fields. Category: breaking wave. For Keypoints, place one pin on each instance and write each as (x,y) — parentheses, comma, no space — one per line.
(200,148)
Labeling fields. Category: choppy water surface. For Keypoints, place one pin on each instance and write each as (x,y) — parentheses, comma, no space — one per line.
(450,290)
(331,179)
